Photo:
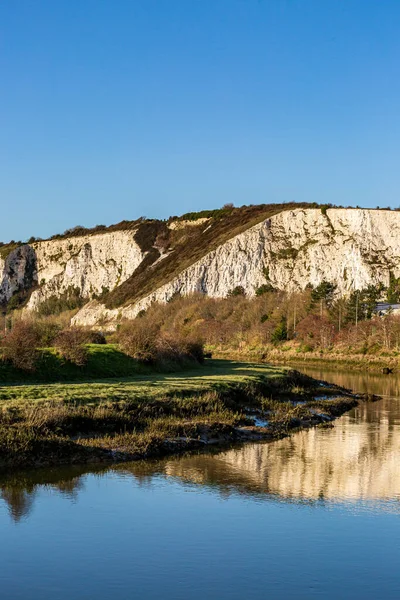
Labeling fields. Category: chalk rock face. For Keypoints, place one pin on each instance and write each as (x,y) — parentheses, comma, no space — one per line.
(91,264)
(17,272)
(352,248)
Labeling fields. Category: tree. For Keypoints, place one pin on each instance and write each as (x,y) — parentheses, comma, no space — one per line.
(393,291)
(361,303)
(324,291)
(280,332)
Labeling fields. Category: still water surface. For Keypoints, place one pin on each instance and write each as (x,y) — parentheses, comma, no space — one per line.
(316,515)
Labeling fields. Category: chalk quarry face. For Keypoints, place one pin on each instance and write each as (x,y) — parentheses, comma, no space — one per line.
(352,248)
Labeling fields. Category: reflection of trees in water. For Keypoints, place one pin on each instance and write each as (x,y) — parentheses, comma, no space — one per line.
(358,381)
(19,491)
(19,501)
(358,458)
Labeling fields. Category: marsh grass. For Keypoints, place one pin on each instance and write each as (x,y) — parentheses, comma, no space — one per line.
(151,415)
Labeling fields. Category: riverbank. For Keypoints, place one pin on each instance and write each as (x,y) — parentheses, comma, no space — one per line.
(293,355)
(222,402)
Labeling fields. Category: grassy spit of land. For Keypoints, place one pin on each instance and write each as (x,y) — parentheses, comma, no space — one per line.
(153,414)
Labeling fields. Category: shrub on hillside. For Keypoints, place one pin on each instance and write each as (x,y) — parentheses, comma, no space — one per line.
(237,291)
(70,343)
(54,305)
(20,345)
(139,340)
(264,289)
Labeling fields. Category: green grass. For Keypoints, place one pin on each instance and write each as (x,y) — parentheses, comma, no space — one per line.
(215,373)
(104,361)
(147,415)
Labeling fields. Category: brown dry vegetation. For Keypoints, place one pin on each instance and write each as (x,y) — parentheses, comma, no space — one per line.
(275,324)
(29,341)
(185,246)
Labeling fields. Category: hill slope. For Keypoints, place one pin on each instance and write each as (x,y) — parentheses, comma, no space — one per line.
(119,271)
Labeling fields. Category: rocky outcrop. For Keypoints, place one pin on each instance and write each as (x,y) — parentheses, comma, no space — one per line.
(17,272)
(352,248)
(92,264)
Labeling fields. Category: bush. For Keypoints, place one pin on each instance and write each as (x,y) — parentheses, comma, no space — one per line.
(144,342)
(71,345)
(20,345)
(139,340)
(54,305)
(237,291)
(264,289)
(47,331)
(95,337)
(195,349)
(179,349)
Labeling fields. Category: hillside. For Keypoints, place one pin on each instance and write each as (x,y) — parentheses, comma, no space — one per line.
(115,272)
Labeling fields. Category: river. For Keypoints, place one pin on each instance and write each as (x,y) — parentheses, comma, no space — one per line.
(316,515)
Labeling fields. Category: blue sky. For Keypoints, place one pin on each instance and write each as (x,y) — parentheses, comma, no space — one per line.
(113,109)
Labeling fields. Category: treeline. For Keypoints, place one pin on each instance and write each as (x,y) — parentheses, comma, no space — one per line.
(176,332)
(312,319)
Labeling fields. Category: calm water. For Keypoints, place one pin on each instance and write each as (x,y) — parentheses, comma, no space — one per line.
(313,516)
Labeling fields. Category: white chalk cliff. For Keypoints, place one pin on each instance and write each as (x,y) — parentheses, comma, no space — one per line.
(352,248)
(91,264)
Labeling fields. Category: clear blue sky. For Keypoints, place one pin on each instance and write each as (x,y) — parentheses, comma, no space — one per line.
(113,109)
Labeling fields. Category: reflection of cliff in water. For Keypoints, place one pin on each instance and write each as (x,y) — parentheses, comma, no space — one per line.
(357,459)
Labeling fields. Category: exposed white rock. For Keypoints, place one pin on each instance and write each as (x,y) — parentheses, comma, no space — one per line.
(90,263)
(193,223)
(349,247)
(17,272)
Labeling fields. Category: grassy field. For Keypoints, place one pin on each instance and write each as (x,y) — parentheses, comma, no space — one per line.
(214,374)
(147,415)
(104,361)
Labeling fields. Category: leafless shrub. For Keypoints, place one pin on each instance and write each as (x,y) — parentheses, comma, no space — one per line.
(20,345)
(143,340)
(71,345)
(138,339)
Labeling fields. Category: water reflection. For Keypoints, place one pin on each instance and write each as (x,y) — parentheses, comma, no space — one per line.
(355,460)
(19,490)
